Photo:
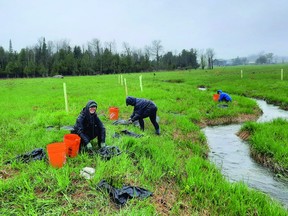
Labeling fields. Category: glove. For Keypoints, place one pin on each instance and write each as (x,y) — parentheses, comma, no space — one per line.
(103,145)
(89,146)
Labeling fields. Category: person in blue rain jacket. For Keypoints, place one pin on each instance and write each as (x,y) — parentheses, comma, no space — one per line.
(224,96)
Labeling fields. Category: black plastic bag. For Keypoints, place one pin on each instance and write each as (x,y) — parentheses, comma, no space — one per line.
(108,152)
(128,133)
(120,122)
(125,122)
(122,195)
(65,127)
(222,105)
(36,154)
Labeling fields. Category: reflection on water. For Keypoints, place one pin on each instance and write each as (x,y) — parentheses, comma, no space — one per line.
(231,154)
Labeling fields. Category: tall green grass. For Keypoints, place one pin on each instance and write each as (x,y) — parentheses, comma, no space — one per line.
(270,141)
(173,166)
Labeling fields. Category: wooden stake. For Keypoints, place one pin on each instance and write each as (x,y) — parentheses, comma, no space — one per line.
(126,90)
(65,97)
(140,79)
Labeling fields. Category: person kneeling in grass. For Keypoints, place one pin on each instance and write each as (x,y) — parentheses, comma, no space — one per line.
(143,108)
(224,96)
(88,126)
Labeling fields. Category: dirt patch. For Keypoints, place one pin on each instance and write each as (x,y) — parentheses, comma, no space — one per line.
(80,194)
(229,120)
(165,197)
(40,192)
(191,137)
(7,173)
(4,174)
(244,135)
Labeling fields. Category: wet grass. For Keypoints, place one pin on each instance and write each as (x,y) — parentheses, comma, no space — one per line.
(174,165)
(269,143)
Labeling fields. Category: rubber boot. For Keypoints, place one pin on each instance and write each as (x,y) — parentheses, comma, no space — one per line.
(157,132)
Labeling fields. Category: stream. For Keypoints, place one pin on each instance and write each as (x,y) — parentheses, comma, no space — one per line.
(232,155)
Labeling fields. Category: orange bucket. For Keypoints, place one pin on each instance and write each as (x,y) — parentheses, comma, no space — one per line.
(113,113)
(72,143)
(56,154)
(215,97)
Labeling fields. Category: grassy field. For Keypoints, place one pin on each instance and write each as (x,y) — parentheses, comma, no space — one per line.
(174,165)
(269,143)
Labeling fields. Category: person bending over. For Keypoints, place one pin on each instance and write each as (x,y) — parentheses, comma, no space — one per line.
(143,108)
(224,96)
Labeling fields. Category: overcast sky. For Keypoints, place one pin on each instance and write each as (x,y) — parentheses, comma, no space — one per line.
(230,27)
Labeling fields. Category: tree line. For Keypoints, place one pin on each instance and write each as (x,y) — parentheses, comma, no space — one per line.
(59,58)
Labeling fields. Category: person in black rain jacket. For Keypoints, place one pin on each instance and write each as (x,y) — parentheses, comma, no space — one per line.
(88,126)
(143,108)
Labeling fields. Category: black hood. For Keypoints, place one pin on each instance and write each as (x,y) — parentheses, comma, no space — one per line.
(130,101)
(89,104)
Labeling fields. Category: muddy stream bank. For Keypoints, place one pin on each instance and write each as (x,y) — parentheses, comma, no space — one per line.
(231,155)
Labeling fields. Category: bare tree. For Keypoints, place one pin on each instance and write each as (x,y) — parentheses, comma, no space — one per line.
(210,57)
(203,59)
(50,47)
(147,51)
(269,58)
(111,46)
(156,50)
(95,46)
(62,44)
(127,48)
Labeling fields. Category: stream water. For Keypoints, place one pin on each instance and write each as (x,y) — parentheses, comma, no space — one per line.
(232,155)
